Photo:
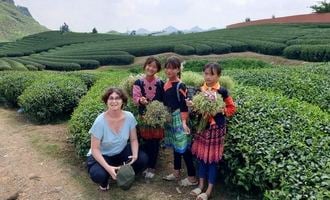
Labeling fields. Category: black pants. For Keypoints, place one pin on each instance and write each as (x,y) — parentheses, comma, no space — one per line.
(151,148)
(100,176)
(188,158)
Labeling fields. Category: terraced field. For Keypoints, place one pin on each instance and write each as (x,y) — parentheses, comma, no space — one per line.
(74,51)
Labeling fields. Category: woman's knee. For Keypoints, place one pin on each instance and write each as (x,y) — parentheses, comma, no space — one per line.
(98,174)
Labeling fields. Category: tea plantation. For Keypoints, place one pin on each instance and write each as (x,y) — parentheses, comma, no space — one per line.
(278,143)
(74,51)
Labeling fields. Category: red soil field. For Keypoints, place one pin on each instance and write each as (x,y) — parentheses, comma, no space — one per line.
(306,18)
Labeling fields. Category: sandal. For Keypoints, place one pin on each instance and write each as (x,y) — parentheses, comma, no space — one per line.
(195,192)
(202,196)
(170,177)
(185,182)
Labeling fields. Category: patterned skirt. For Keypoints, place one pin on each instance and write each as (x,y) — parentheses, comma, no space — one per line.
(208,145)
(151,133)
(175,135)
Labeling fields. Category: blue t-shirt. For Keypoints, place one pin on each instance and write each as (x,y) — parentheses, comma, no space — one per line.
(112,143)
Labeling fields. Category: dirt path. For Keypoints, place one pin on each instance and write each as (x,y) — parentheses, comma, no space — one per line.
(37,163)
(25,173)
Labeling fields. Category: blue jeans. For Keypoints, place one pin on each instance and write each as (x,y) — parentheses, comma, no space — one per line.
(100,176)
(208,171)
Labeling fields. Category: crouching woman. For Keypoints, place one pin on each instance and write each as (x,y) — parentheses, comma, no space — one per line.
(109,141)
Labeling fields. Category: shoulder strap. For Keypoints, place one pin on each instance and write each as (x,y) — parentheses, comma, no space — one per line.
(140,83)
(158,83)
(177,91)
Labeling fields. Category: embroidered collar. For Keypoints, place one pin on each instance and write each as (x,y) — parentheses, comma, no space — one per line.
(169,83)
(150,79)
(174,81)
(213,87)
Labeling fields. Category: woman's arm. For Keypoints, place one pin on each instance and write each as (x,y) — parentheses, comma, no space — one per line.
(230,108)
(138,98)
(136,94)
(134,145)
(95,147)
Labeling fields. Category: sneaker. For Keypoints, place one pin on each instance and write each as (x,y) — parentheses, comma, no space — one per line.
(104,188)
(149,175)
(144,173)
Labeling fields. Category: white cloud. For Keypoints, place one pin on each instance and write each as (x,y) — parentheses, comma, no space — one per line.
(123,15)
(242,2)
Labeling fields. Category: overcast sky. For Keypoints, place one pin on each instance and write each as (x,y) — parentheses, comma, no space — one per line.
(127,15)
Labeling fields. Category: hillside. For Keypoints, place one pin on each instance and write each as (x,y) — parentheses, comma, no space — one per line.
(15,22)
(295,19)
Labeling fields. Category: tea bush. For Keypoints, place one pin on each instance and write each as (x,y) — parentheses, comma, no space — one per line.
(51,98)
(12,85)
(278,145)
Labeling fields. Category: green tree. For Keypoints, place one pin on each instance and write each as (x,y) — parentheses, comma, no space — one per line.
(64,28)
(322,7)
(133,32)
(94,30)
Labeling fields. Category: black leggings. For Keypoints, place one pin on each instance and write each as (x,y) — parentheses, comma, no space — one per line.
(187,156)
(151,148)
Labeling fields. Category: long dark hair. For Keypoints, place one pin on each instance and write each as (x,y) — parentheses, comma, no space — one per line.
(173,62)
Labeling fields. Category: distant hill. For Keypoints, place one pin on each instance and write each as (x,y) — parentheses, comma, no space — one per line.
(115,33)
(172,30)
(194,29)
(16,22)
(142,31)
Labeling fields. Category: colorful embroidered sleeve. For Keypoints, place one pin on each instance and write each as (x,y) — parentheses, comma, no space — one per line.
(137,94)
(230,108)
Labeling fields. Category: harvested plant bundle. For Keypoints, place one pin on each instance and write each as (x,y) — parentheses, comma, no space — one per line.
(156,114)
(127,84)
(207,103)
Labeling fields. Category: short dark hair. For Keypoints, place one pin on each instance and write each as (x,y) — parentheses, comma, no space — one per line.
(215,68)
(118,91)
(150,60)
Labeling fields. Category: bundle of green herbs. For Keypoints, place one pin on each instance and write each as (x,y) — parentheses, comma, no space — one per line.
(207,104)
(127,84)
(156,115)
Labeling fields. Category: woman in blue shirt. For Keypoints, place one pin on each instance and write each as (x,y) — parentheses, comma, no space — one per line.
(109,141)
